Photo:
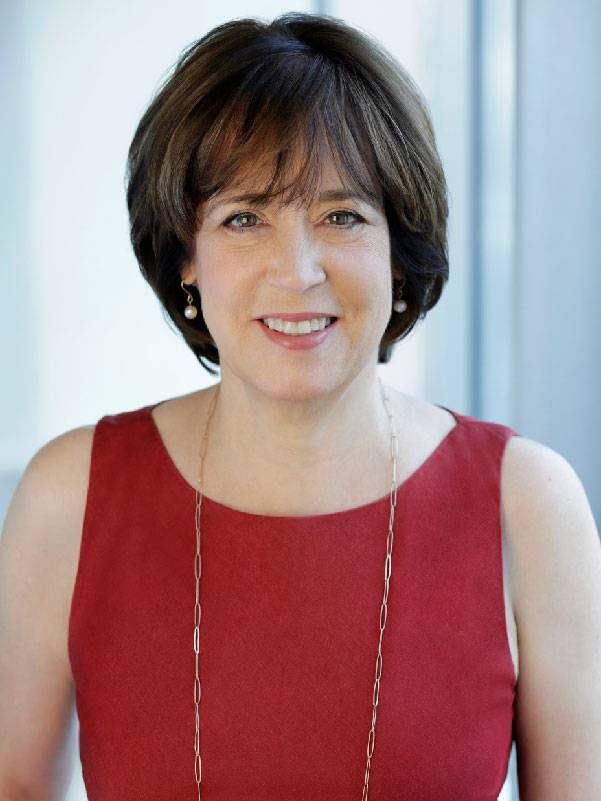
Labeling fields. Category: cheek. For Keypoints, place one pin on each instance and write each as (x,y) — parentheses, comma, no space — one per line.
(368,266)
(372,285)
(225,299)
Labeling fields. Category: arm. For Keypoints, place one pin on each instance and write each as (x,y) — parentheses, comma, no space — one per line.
(39,549)
(555,557)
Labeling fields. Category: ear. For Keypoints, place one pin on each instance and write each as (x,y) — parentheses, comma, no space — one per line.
(188,274)
(397,271)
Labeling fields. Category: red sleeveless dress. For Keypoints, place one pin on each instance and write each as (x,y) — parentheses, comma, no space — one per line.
(289,634)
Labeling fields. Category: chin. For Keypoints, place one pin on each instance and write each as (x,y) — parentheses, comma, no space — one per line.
(298,388)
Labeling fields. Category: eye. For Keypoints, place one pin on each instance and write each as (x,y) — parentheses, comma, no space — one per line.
(249,216)
(241,214)
(343,213)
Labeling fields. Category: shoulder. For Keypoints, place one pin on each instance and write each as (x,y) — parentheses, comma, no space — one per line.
(555,557)
(46,510)
(42,528)
(543,497)
(547,521)
(60,467)
(57,473)
(62,450)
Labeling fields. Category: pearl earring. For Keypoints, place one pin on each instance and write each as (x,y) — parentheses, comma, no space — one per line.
(399,305)
(190,311)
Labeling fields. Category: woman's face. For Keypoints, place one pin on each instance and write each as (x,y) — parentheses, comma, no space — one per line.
(332,257)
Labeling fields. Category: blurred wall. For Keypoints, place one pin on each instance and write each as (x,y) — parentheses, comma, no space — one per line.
(557,358)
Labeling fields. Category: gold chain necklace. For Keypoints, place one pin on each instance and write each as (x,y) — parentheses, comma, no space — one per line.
(371,739)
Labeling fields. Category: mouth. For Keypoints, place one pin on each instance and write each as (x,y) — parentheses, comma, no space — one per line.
(330,321)
(299,339)
(297,317)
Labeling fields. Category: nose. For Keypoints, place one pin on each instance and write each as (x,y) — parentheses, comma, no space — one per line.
(296,261)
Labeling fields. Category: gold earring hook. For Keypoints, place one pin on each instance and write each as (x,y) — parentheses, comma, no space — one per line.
(190,298)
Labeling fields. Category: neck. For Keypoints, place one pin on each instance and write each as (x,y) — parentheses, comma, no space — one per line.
(303,431)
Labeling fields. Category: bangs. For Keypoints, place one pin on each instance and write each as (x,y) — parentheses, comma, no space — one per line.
(288,118)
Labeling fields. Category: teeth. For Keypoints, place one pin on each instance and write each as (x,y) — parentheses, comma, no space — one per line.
(304,327)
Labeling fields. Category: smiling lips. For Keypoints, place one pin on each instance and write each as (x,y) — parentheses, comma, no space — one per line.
(298,341)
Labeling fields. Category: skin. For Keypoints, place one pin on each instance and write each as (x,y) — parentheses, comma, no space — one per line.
(296,409)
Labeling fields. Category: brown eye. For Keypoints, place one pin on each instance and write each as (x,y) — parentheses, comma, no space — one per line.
(346,214)
(241,215)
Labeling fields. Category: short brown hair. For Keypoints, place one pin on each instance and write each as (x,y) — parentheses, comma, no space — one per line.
(253,87)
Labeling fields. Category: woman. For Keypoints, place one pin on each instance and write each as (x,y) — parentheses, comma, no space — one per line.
(228,600)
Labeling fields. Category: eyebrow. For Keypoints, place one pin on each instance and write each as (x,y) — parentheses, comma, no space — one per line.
(328,195)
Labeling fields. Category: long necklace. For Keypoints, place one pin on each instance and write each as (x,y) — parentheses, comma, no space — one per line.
(371,739)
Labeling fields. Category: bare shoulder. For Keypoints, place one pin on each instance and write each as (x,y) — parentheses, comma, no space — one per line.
(45,514)
(65,451)
(555,557)
(56,477)
(544,501)
(548,522)
(58,471)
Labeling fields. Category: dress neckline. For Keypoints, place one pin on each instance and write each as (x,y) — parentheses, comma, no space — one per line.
(401,488)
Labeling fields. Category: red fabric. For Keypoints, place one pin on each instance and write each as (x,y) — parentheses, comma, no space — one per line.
(289,634)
